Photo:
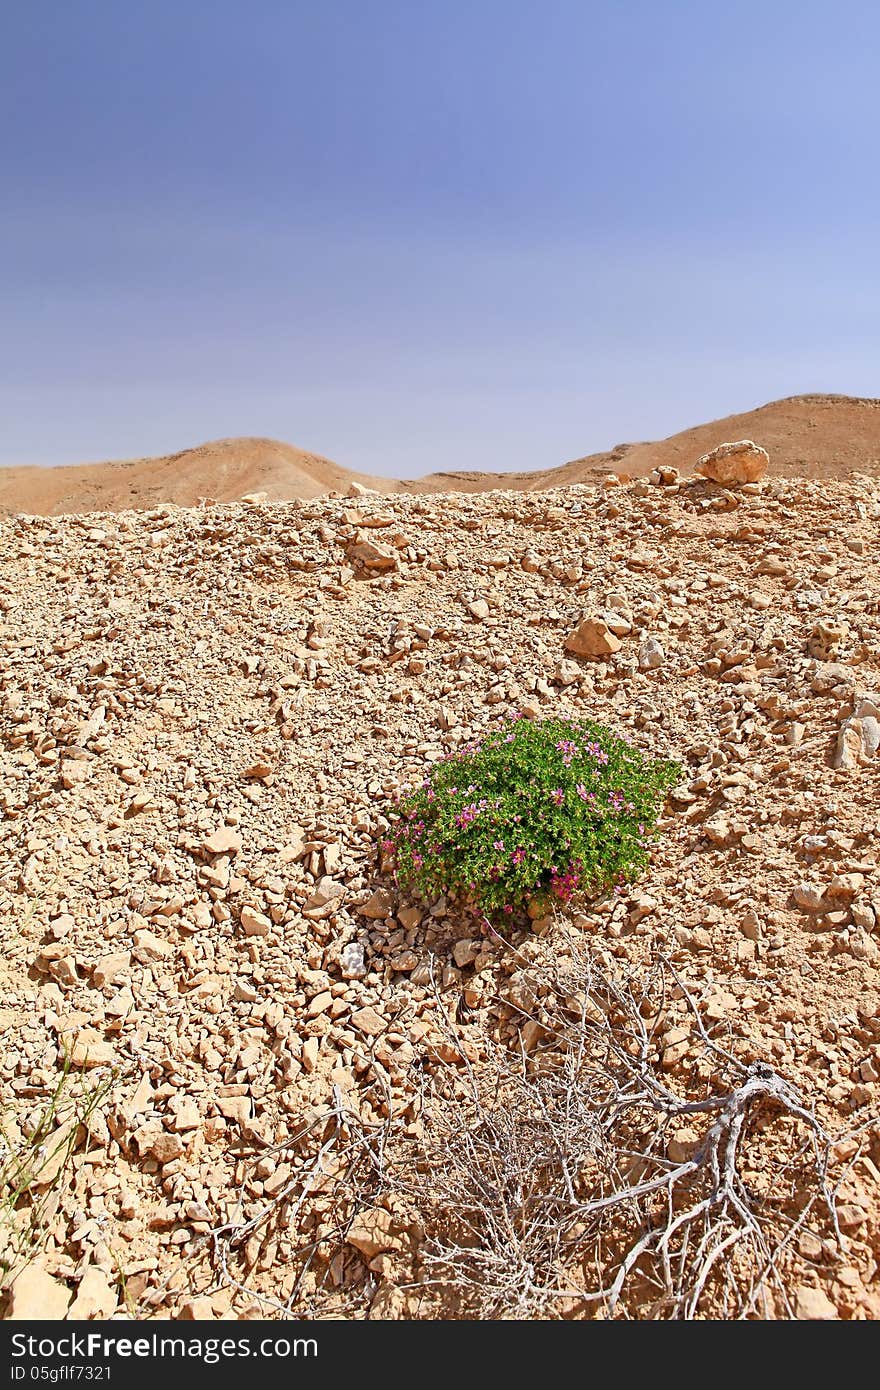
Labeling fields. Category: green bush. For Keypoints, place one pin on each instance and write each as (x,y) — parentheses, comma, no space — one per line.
(531,813)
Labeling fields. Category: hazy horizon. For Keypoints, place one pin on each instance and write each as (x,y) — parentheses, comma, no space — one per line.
(413,239)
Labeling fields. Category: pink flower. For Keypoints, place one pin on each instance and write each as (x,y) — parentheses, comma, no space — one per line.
(596,752)
(568,751)
(564,885)
(557,795)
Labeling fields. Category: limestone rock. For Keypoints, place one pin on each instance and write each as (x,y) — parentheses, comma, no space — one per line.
(813,1305)
(372,520)
(368,1021)
(859,736)
(95,1298)
(326,892)
(374,1231)
(364,555)
(89,1050)
(403,959)
(222,841)
(259,771)
(651,655)
(379,905)
(237,1108)
(520,991)
(869,705)
(393,1304)
(592,637)
(465,951)
(619,620)
(36,1296)
(166,1147)
(810,897)
(479,609)
(829,676)
(352,962)
(185,1114)
(254,923)
(732,464)
(108,967)
(566,672)
(197,1310)
(149,947)
(825,640)
(682,1145)
(664,476)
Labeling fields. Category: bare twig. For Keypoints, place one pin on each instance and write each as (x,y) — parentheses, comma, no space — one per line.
(556,1190)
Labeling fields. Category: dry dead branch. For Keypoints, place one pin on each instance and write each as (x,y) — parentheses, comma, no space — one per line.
(557,1188)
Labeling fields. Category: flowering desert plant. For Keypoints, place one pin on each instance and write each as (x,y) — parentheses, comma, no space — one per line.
(530,814)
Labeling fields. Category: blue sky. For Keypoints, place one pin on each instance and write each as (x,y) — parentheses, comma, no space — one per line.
(412,236)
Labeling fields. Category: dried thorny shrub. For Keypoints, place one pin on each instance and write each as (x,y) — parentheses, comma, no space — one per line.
(555,1187)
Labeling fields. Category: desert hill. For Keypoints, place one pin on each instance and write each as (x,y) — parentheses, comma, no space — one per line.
(810,436)
(220,471)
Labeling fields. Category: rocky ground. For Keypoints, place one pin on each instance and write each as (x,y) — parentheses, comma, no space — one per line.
(203,715)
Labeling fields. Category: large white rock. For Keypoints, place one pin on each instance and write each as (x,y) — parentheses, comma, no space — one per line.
(651,655)
(731,464)
(351,959)
(859,736)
